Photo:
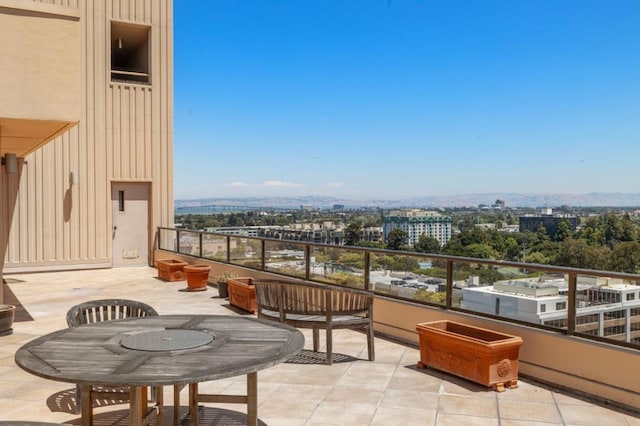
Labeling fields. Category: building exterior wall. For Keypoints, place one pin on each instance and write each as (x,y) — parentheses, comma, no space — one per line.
(416,223)
(125,133)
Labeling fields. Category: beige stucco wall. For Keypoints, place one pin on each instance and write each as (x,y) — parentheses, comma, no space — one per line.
(39,65)
(125,133)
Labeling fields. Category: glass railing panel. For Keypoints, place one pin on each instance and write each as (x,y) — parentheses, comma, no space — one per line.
(409,277)
(189,243)
(608,308)
(246,252)
(214,247)
(337,265)
(167,239)
(285,257)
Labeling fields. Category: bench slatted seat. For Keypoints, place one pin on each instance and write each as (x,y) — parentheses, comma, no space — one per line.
(317,306)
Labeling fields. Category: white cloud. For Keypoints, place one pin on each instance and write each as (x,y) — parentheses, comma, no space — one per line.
(280,184)
(271,184)
(335,184)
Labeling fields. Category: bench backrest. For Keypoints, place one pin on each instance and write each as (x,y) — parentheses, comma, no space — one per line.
(107,310)
(311,298)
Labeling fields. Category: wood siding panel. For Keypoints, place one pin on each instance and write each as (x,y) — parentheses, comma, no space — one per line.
(67,3)
(125,134)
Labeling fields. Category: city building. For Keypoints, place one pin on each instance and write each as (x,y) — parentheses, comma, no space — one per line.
(324,233)
(244,231)
(548,221)
(417,222)
(86,132)
(605,307)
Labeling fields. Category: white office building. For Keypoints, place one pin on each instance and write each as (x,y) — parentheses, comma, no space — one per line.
(604,307)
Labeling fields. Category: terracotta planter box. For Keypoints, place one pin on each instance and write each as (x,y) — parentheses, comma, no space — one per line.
(7,315)
(477,354)
(242,293)
(171,269)
(197,277)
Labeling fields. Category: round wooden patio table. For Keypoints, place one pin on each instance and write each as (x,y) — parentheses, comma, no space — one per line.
(162,350)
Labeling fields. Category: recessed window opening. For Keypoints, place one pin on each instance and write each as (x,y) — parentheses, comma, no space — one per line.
(120,201)
(129,53)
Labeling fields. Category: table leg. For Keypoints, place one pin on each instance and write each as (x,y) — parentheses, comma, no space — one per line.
(252,399)
(193,404)
(86,405)
(135,406)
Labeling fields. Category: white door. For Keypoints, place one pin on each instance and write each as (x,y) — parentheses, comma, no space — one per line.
(130,233)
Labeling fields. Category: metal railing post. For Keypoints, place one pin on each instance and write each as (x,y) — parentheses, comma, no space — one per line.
(263,255)
(177,241)
(200,245)
(228,248)
(307,261)
(367,260)
(571,303)
(449,297)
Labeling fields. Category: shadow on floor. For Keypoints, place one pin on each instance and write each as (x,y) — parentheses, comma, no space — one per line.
(207,416)
(309,357)
(21,315)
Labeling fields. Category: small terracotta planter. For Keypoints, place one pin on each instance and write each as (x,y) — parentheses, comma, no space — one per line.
(7,315)
(474,353)
(242,293)
(197,277)
(171,269)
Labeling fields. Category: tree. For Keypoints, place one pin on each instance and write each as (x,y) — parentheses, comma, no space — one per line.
(577,253)
(352,234)
(396,239)
(427,244)
(625,257)
(564,230)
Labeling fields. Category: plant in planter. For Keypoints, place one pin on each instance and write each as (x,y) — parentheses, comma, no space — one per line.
(221,283)
(197,277)
(7,315)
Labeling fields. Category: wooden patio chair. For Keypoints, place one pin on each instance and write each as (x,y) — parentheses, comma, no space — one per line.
(108,310)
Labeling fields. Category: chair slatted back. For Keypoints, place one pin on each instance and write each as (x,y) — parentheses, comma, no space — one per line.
(107,310)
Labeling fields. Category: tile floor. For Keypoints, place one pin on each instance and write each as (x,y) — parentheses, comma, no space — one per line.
(389,391)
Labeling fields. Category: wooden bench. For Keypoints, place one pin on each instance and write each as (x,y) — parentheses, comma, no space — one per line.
(316,306)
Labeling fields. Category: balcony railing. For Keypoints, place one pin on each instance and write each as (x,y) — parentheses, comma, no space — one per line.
(560,299)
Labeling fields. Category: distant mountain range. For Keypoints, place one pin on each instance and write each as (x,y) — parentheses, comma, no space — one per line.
(593,199)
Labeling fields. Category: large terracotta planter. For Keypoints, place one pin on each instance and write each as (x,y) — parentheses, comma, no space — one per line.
(171,269)
(197,277)
(7,315)
(242,293)
(474,353)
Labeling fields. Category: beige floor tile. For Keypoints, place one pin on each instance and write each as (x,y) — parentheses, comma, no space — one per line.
(468,405)
(409,399)
(448,419)
(527,392)
(305,392)
(354,395)
(457,386)
(590,415)
(301,393)
(530,411)
(287,409)
(385,416)
(341,414)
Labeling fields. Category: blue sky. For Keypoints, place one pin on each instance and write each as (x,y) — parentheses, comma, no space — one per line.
(391,99)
